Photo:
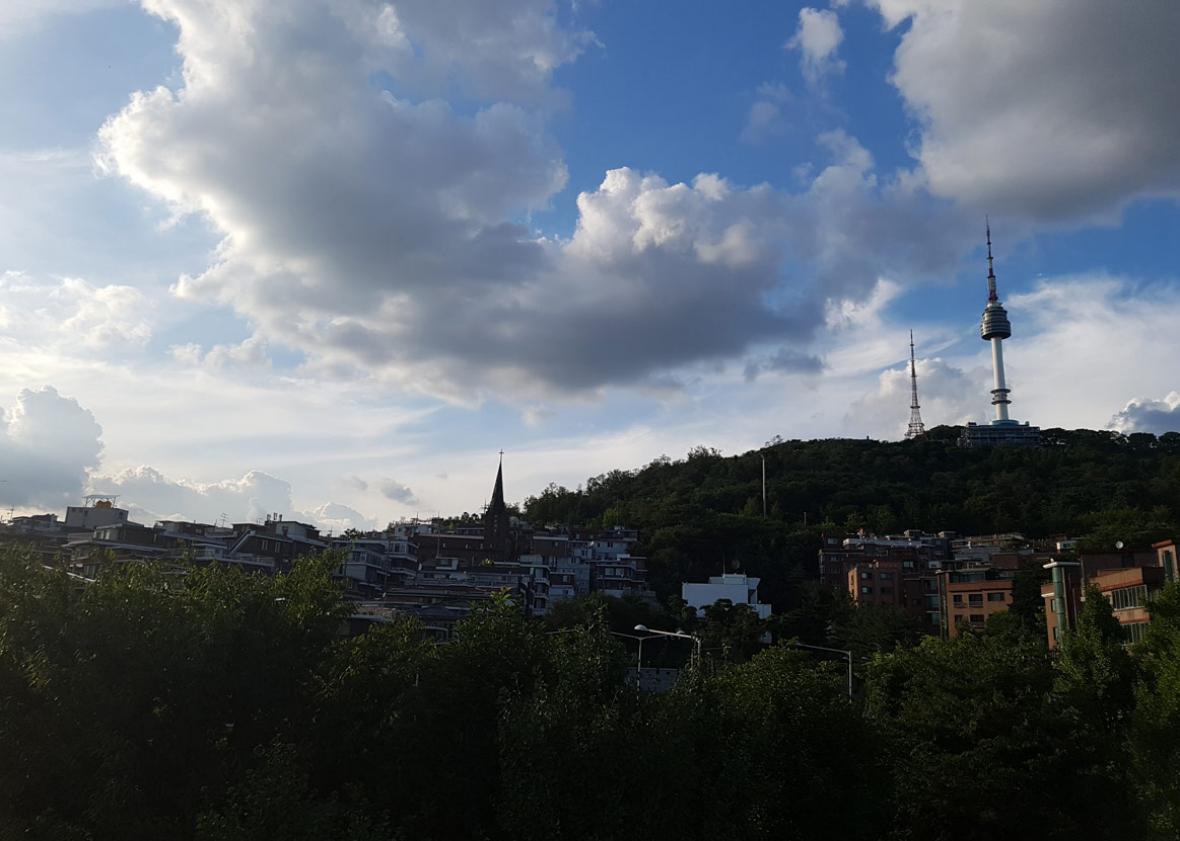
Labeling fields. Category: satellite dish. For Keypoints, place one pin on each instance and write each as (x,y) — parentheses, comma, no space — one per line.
(1118,544)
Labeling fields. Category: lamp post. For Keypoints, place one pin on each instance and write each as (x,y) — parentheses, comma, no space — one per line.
(639,659)
(847,654)
(696,641)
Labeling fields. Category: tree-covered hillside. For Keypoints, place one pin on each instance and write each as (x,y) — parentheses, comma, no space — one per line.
(704,512)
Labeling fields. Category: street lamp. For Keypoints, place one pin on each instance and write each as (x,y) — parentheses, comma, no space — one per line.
(844,651)
(639,659)
(696,641)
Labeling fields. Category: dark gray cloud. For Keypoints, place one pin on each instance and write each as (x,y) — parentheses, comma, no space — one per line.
(355,483)
(398,492)
(784,361)
(47,445)
(1050,109)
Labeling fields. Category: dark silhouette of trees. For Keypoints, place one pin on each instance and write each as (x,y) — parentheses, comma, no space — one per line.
(224,706)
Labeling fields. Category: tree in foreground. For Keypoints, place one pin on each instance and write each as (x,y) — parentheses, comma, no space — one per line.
(1156,720)
(980,745)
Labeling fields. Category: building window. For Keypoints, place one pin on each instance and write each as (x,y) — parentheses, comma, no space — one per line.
(1126,598)
(885,576)
(1134,631)
(1053,607)
(866,590)
(958,599)
(995,597)
(866,576)
(975,599)
(886,591)
(976,618)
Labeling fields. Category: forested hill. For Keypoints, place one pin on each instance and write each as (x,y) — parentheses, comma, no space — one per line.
(705,511)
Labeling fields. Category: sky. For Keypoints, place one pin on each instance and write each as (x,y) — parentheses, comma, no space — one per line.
(327,258)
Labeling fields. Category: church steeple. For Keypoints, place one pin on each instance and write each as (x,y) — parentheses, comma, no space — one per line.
(498,489)
(497,534)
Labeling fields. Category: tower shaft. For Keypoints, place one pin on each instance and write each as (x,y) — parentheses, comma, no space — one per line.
(1000,392)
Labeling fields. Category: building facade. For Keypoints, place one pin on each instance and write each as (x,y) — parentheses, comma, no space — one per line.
(968,597)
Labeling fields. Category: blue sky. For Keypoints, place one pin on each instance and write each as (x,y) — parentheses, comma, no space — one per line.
(327,258)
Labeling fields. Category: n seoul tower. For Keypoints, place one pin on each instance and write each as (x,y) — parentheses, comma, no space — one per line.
(994,327)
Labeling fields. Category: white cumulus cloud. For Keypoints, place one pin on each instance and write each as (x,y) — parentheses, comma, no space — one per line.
(48,443)
(947,394)
(73,315)
(152,496)
(1147,415)
(817,38)
(378,231)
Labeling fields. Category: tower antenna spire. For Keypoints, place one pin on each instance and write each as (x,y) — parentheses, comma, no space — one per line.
(916,428)
(991,272)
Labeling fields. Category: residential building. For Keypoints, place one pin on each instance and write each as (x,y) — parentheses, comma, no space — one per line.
(734,587)
(876,583)
(376,560)
(620,577)
(99,510)
(918,552)
(1129,591)
(1167,559)
(1128,588)
(1108,571)
(968,597)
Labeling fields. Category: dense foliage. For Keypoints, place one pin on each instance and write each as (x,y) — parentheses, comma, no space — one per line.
(221,706)
(703,514)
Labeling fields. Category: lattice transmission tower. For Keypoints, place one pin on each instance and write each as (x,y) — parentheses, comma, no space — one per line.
(916,429)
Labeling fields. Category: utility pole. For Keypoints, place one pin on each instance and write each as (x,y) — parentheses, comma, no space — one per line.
(764,486)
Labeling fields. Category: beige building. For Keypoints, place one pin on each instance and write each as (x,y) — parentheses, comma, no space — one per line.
(969,596)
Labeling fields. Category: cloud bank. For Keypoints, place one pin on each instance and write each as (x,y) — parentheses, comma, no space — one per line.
(48,443)
(1147,415)
(152,496)
(387,239)
(1053,109)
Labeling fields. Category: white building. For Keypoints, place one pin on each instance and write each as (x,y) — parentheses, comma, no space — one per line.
(736,587)
(100,512)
